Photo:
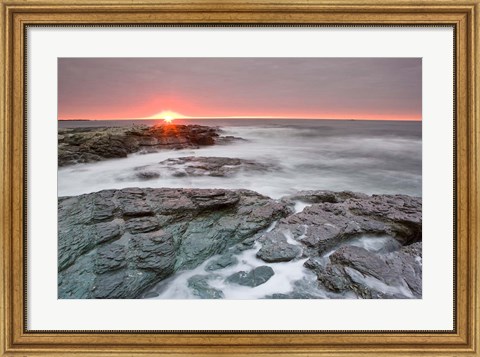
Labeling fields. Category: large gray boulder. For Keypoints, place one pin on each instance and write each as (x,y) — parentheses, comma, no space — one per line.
(118,243)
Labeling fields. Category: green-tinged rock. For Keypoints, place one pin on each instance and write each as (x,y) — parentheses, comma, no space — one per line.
(200,288)
(222,262)
(275,248)
(118,243)
(255,277)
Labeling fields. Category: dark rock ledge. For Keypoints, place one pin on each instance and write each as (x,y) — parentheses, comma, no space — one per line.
(80,145)
(117,243)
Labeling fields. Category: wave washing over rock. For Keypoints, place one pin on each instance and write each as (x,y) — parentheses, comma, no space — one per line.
(218,243)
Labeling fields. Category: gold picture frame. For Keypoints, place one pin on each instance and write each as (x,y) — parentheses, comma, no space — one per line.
(16,15)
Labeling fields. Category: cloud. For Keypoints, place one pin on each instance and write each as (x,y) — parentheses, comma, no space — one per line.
(141,87)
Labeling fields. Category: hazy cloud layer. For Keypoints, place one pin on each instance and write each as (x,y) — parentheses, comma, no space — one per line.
(375,88)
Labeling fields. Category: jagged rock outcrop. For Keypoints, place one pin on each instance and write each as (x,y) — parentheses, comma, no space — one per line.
(328,230)
(369,275)
(80,145)
(117,243)
(335,217)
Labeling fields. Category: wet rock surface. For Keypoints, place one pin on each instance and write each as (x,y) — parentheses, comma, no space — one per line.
(222,262)
(369,275)
(193,166)
(200,288)
(275,248)
(335,217)
(80,145)
(254,277)
(386,265)
(117,243)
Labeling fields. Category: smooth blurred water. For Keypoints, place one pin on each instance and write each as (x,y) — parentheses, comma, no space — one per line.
(363,156)
(286,274)
(288,277)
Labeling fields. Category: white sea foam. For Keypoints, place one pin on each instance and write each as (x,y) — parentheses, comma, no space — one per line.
(306,159)
(375,284)
(286,274)
(300,206)
(372,243)
(286,278)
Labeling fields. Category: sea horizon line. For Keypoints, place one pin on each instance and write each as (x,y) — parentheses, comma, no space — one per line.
(240,118)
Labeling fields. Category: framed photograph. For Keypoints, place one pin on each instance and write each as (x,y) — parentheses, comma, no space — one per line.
(239,178)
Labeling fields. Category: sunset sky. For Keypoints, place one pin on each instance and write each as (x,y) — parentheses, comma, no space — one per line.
(311,88)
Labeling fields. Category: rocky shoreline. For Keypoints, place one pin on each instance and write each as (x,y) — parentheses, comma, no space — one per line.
(81,145)
(121,243)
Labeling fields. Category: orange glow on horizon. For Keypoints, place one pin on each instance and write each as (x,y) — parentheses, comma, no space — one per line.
(169,116)
(190,88)
(182,107)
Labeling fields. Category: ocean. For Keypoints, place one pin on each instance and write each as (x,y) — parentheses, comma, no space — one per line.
(372,157)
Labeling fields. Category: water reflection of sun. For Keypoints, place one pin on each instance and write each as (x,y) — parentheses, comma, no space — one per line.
(168,116)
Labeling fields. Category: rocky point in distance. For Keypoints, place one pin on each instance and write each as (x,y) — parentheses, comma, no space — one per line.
(90,144)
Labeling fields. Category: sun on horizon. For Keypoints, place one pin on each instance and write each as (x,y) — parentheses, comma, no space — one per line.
(168,116)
